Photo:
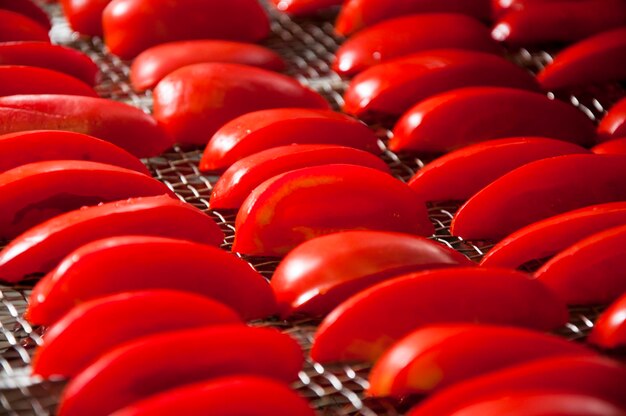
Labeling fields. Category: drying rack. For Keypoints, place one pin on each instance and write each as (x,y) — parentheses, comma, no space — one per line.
(308,46)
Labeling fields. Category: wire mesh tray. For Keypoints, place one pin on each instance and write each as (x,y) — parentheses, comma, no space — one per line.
(308,46)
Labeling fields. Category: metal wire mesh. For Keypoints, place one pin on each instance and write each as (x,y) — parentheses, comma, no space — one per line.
(309,47)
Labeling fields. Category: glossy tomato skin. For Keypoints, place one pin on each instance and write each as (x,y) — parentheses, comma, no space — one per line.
(549,22)
(127,263)
(596,60)
(39,249)
(466,116)
(54,57)
(16,27)
(590,272)
(121,318)
(264,397)
(132,26)
(396,307)
(234,186)
(153,64)
(609,331)
(473,167)
(85,16)
(302,204)
(438,356)
(357,14)
(321,273)
(36,192)
(219,350)
(405,35)
(499,8)
(615,146)
(305,7)
(17,79)
(116,122)
(545,238)
(539,190)
(44,145)
(193,102)
(595,376)
(29,9)
(613,124)
(261,130)
(393,87)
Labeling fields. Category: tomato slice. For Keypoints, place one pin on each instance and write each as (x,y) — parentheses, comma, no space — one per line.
(590,271)
(357,14)
(539,190)
(121,318)
(393,87)
(609,331)
(261,130)
(29,9)
(42,145)
(304,7)
(541,403)
(465,116)
(132,26)
(17,27)
(54,57)
(613,124)
(40,249)
(545,238)
(128,263)
(405,35)
(615,146)
(473,167)
(305,203)
(234,186)
(121,124)
(263,397)
(365,325)
(152,65)
(321,273)
(85,16)
(193,102)
(36,192)
(596,60)
(541,23)
(147,366)
(435,357)
(597,377)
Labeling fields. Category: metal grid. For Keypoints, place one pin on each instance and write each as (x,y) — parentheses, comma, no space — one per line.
(309,48)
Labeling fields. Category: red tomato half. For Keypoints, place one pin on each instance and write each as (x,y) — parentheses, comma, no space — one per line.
(85,16)
(223,396)
(234,186)
(43,145)
(539,190)
(439,356)
(127,263)
(365,325)
(615,146)
(132,26)
(193,102)
(304,7)
(149,366)
(321,273)
(40,249)
(36,192)
(609,330)
(46,55)
(465,116)
(17,27)
(613,124)
(261,130)
(152,65)
(121,318)
(116,122)
(302,204)
(29,9)
(16,79)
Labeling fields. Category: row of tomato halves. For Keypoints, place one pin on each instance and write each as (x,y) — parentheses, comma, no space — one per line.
(142,281)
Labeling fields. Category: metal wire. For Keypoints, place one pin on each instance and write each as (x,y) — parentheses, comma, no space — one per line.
(309,47)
